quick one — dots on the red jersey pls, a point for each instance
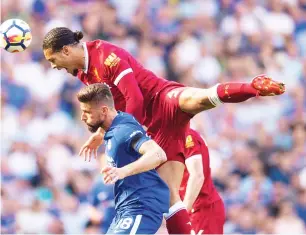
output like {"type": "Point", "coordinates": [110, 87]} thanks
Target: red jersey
{"type": "Point", "coordinates": [133, 87]}
{"type": "Point", "coordinates": [195, 145]}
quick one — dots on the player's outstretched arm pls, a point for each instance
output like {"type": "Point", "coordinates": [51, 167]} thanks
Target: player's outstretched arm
{"type": "Point", "coordinates": [152, 156]}
{"type": "Point", "coordinates": [195, 181]}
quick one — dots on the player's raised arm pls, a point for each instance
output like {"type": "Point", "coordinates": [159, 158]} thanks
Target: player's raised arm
{"type": "Point", "coordinates": [122, 75]}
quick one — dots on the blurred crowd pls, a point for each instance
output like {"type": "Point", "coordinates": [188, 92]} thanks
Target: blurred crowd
{"type": "Point", "coordinates": [257, 148]}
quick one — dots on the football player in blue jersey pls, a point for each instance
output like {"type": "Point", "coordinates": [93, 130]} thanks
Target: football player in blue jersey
{"type": "Point", "coordinates": [141, 196]}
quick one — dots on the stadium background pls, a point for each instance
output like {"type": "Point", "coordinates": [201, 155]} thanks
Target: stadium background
{"type": "Point", "coordinates": [258, 148]}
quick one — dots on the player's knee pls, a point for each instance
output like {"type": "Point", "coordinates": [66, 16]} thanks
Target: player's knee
{"type": "Point", "coordinates": [193, 100]}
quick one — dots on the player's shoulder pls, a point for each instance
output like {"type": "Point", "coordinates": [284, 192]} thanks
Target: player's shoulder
{"type": "Point", "coordinates": [124, 125]}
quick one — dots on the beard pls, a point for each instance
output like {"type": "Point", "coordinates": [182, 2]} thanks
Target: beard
{"type": "Point", "coordinates": [75, 72]}
{"type": "Point", "coordinates": [94, 127]}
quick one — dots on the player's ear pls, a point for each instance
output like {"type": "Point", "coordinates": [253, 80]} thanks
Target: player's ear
{"type": "Point", "coordinates": [66, 50]}
{"type": "Point", "coordinates": [104, 109]}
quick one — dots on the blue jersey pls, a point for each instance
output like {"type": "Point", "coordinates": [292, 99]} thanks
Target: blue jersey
{"type": "Point", "coordinates": [144, 190]}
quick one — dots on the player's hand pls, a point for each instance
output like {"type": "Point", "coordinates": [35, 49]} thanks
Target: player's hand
{"type": "Point", "coordinates": [92, 144]}
{"type": "Point", "coordinates": [112, 174]}
{"type": "Point", "coordinates": [188, 206]}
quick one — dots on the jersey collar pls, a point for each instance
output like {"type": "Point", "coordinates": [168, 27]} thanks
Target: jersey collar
{"type": "Point", "coordinates": [86, 57]}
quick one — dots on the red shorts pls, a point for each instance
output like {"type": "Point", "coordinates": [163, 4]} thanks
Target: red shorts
{"type": "Point", "coordinates": [169, 123]}
{"type": "Point", "coordinates": [210, 218]}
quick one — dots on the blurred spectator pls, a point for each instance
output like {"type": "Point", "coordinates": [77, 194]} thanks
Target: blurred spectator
{"type": "Point", "coordinates": [287, 216]}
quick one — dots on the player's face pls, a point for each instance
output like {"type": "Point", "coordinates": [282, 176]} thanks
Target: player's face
{"type": "Point", "coordinates": [93, 116]}
{"type": "Point", "coordinates": [62, 60]}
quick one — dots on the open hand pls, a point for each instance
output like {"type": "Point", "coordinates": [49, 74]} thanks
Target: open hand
{"type": "Point", "coordinates": [112, 174]}
{"type": "Point", "coordinates": [91, 145]}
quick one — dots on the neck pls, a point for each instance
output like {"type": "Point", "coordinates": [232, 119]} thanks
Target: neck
{"type": "Point", "coordinates": [81, 55]}
{"type": "Point", "coordinates": [110, 118]}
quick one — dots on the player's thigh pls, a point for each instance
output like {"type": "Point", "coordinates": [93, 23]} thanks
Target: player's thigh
{"type": "Point", "coordinates": [172, 173]}
{"type": "Point", "coordinates": [136, 224]}
{"type": "Point", "coordinates": [199, 222]}
{"type": "Point", "coordinates": [173, 117]}
{"type": "Point", "coordinates": [210, 219]}
{"type": "Point", "coordinates": [194, 100]}
{"type": "Point", "coordinates": [216, 223]}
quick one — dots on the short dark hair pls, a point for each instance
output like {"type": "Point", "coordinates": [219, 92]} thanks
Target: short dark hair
{"type": "Point", "coordinates": [59, 37]}
{"type": "Point", "coordinates": [98, 92]}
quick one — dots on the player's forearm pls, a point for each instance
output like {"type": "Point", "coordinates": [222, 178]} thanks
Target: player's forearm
{"type": "Point", "coordinates": [135, 107]}
{"type": "Point", "coordinates": [148, 161]}
{"type": "Point", "coordinates": [102, 161]}
{"type": "Point", "coordinates": [194, 185]}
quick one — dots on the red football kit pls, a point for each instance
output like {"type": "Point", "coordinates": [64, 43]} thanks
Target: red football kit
{"type": "Point", "coordinates": [208, 212]}
{"type": "Point", "coordinates": [152, 100]}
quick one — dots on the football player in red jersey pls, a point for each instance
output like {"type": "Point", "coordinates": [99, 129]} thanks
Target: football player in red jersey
{"type": "Point", "coordinates": [164, 107]}
{"type": "Point", "coordinates": [203, 202]}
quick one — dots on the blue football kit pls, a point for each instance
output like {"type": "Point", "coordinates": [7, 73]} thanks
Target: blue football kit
{"type": "Point", "coordinates": [141, 199]}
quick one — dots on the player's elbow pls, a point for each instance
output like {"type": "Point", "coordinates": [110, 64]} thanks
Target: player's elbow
{"type": "Point", "coordinates": [197, 177]}
{"type": "Point", "coordinates": [161, 156]}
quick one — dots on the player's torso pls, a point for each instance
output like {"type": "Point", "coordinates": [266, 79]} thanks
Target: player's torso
{"type": "Point", "coordinates": [104, 57]}
{"type": "Point", "coordinates": [195, 145]}
{"type": "Point", "coordinates": [133, 189]}
{"type": "Point", "coordinates": [95, 74]}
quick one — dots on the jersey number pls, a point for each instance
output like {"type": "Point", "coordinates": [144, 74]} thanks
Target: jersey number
{"type": "Point", "coordinates": [124, 223]}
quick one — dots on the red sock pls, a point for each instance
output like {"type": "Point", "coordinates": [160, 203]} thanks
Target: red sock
{"type": "Point", "coordinates": [233, 92]}
{"type": "Point", "coordinates": [177, 220]}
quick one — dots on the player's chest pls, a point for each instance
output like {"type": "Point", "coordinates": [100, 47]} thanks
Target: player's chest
{"type": "Point", "coordinates": [111, 152]}
{"type": "Point", "coordinates": [95, 75]}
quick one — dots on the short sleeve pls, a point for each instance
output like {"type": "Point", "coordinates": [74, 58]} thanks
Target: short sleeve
{"type": "Point", "coordinates": [137, 139]}
{"type": "Point", "coordinates": [133, 137]}
{"type": "Point", "coordinates": [192, 147]}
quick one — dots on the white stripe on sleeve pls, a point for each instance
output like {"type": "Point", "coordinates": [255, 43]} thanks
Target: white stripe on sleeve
{"type": "Point", "coordinates": [121, 75]}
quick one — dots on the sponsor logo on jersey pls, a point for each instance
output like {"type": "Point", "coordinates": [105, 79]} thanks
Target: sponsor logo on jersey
{"type": "Point", "coordinates": [189, 142]}
{"type": "Point", "coordinates": [112, 60]}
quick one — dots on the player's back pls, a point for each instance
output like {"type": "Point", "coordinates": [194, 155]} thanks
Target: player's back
{"type": "Point", "coordinates": [109, 64]}
{"type": "Point", "coordinates": [144, 190]}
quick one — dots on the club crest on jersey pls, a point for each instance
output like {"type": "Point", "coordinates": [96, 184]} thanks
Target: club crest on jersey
{"type": "Point", "coordinates": [112, 60]}
{"type": "Point", "coordinates": [110, 161]}
{"type": "Point", "coordinates": [189, 142]}
{"type": "Point", "coordinates": [109, 145]}
{"type": "Point", "coordinates": [95, 71]}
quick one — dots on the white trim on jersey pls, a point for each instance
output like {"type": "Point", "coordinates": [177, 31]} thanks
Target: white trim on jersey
{"type": "Point", "coordinates": [121, 75]}
{"type": "Point", "coordinates": [136, 225]}
{"type": "Point", "coordinates": [86, 57]}
{"type": "Point", "coordinates": [197, 156]}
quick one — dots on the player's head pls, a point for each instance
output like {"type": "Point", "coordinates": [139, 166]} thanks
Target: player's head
{"type": "Point", "coordinates": [60, 48]}
{"type": "Point", "coordinates": [96, 103]}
